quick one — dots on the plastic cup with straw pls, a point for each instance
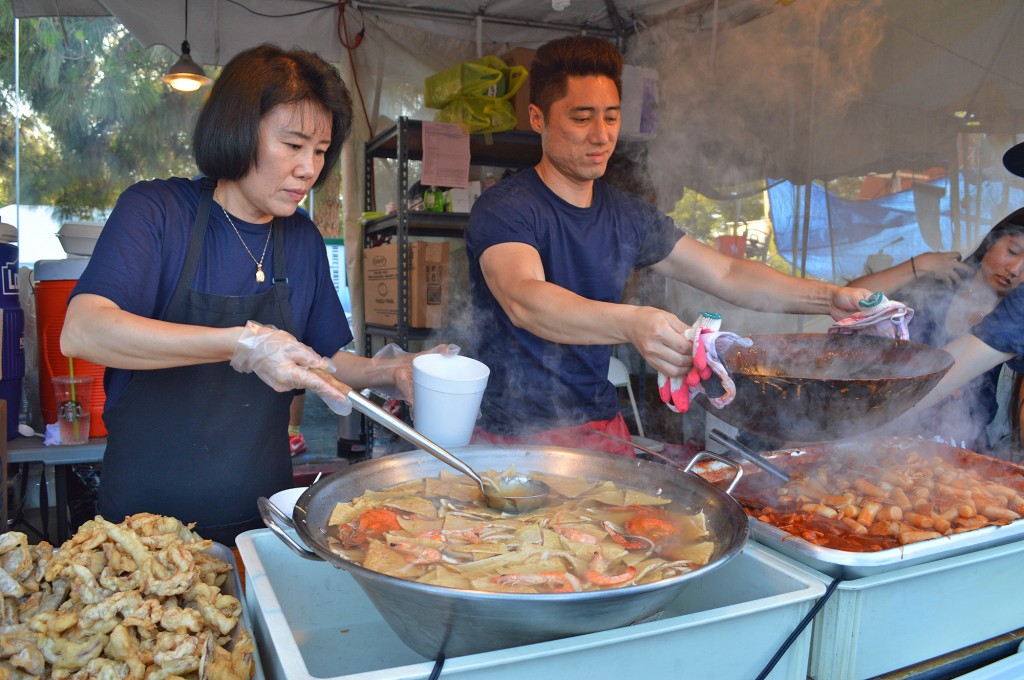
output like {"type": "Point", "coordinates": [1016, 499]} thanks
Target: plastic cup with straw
{"type": "Point", "coordinates": [74, 400]}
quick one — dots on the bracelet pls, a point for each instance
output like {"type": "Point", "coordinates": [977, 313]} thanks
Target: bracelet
{"type": "Point", "coordinates": [912, 266]}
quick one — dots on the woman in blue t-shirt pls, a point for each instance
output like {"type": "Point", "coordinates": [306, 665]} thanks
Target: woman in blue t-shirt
{"type": "Point", "coordinates": [997, 338]}
{"type": "Point", "coordinates": [210, 299]}
{"type": "Point", "coordinates": [949, 299]}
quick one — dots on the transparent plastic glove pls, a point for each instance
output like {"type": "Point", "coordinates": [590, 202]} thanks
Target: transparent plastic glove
{"type": "Point", "coordinates": [331, 395]}
{"type": "Point", "coordinates": [390, 372]}
{"type": "Point", "coordinates": [277, 358]}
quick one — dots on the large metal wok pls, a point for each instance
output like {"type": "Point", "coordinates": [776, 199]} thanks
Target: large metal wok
{"type": "Point", "coordinates": [433, 619]}
{"type": "Point", "coordinates": [824, 387]}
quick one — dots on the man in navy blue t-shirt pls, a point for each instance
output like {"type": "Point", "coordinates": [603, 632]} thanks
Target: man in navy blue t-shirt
{"type": "Point", "coordinates": [549, 252]}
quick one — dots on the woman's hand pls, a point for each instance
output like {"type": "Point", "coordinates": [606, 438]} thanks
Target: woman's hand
{"type": "Point", "coordinates": [276, 357]}
{"type": "Point", "coordinates": [942, 266]}
{"type": "Point", "coordinates": [389, 372]}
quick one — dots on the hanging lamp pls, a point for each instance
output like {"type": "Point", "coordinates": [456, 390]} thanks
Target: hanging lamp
{"type": "Point", "coordinates": [186, 75]}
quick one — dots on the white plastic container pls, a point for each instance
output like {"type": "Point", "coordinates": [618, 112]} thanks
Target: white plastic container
{"type": "Point", "coordinates": [313, 621]}
{"type": "Point", "coordinates": [898, 618]}
{"type": "Point", "coordinates": [447, 392]}
{"type": "Point", "coordinates": [79, 238]}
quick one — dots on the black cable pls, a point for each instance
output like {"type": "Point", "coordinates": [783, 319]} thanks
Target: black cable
{"type": "Point", "coordinates": [800, 628]}
{"type": "Point", "coordinates": [438, 665]}
{"type": "Point", "coordinates": [281, 16]}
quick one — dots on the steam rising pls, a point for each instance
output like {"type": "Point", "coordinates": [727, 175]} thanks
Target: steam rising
{"type": "Point", "coordinates": [752, 103]}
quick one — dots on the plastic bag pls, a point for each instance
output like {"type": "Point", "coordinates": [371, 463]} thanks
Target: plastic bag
{"type": "Point", "coordinates": [476, 94]}
{"type": "Point", "coordinates": [486, 76]}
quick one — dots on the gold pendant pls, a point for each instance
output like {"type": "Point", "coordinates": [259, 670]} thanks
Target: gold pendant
{"type": "Point", "coordinates": [260, 278]}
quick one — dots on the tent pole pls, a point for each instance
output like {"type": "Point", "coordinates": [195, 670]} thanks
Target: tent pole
{"type": "Point", "coordinates": [811, 113]}
{"type": "Point", "coordinates": [954, 195]}
{"type": "Point", "coordinates": [806, 230]}
{"type": "Point", "coordinates": [831, 237]}
{"type": "Point", "coordinates": [796, 224]}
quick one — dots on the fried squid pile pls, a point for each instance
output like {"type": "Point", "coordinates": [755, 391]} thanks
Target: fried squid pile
{"type": "Point", "coordinates": [140, 599]}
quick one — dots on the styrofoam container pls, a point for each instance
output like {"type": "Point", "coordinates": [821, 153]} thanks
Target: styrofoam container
{"type": "Point", "coordinates": [79, 238]}
{"type": "Point", "coordinates": [313, 621]}
{"type": "Point", "coordinates": [898, 618]}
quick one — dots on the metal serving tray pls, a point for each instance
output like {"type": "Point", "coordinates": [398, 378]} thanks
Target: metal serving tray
{"type": "Point", "coordinates": [312, 621]}
{"type": "Point", "coordinates": [849, 564]}
{"type": "Point", "coordinates": [233, 587]}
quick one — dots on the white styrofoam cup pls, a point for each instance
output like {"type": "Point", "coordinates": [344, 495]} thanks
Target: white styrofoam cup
{"type": "Point", "coordinates": [447, 392]}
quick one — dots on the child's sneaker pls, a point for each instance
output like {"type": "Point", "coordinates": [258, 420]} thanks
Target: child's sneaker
{"type": "Point", "coordinates": [297, 443]}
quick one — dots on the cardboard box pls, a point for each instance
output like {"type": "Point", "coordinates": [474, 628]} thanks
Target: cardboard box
{"type": "Point", "coordinates": [521, 56]}
{"type": "Point", "coordinates": [428, 284]}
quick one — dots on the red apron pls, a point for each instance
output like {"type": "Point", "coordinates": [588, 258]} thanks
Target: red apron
{"type": "Point", "coordinates": [576, 437]}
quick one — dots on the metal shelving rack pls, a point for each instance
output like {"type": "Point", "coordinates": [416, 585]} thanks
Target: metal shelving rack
{"type": "Point", "coordinates": [403, 142]}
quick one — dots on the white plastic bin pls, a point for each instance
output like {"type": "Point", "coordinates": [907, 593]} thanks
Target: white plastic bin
{"type": "Point", "coordinates": [313, 621]}
{"type": "Point", "coordinates": [877, 624]}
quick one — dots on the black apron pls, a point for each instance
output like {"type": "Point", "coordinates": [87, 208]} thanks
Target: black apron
{"type": "Point", "coordinates": [202, 443]}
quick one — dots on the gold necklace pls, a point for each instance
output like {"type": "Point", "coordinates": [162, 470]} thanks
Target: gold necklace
{"type": "Point", "coordinates": [260, 277]}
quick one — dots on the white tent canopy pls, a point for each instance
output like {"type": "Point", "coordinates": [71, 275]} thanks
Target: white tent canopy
{"type": "Point", "coordinates": [799, 88]}
{"type": "Point", "coordinates": [796, 89]}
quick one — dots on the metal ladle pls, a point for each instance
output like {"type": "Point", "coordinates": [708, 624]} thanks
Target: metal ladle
{"type": "Point", "coordinates": [512, 494]}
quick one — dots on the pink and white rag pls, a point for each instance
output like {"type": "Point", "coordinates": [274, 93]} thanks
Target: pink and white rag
{"type": "Point", "coordinates": [677, 393]}
{"type": "Point", "coordinates": [879, 316]}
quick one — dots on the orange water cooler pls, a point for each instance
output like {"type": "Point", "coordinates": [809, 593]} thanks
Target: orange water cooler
{"type": "Point", "coordinates": [54, 280]}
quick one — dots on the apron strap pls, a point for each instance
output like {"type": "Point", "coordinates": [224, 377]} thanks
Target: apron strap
{"type": "Point", "coordinates": [195, 248]}
{"type": "Point", "coordinates": [281, 278]}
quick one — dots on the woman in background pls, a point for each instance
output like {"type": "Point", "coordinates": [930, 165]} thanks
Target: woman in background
{"type": "Point", "coordinates": [949, 298]}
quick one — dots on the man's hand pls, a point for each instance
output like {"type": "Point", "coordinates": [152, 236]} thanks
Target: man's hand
{"type": "Point", "coordinates": [846, 301]}
{"type": "Point", "coordinates": [658, 336]}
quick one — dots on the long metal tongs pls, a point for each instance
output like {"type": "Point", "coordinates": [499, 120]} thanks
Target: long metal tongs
{"type": "Point", "coordinates": [755, 458]}
{"type": "Point", "coordinates": [508, 494]}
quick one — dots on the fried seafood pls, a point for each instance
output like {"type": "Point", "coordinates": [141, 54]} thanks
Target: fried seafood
{"type": "Point", "coordinates": [589, 536]}
{"type": "Point", "coordinates": [136, 600]}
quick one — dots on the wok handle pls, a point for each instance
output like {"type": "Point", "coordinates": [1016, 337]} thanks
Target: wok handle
{"type": "Point", "coordinates": [271, 515]}
{"type": "Point", "coordinates": [720, 459]}
{"type": "Point", "coordinates": [754, 458]}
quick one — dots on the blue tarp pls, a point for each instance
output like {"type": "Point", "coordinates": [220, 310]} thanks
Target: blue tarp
{"type": "Point", "coordinates": [860, 229]}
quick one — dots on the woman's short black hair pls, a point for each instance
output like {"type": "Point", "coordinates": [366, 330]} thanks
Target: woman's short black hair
{"type": "Point", "coordinates": [577, 55]}
{"type": "Point", "coordinates": [226, 139]}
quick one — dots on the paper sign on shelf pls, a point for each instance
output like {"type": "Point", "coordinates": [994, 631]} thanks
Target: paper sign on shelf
{"type": "Point", "coordinates": [445, 155]}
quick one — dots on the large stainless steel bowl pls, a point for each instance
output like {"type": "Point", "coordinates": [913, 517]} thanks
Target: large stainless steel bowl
{"type": "Point", "coordinates": [808, 387]}
{"type": "Point", "coordinates": [432, 619]}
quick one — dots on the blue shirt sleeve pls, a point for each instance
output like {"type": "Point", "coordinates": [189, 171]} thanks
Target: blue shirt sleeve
{"type": "Point", "coordinates": [1003, 329]}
